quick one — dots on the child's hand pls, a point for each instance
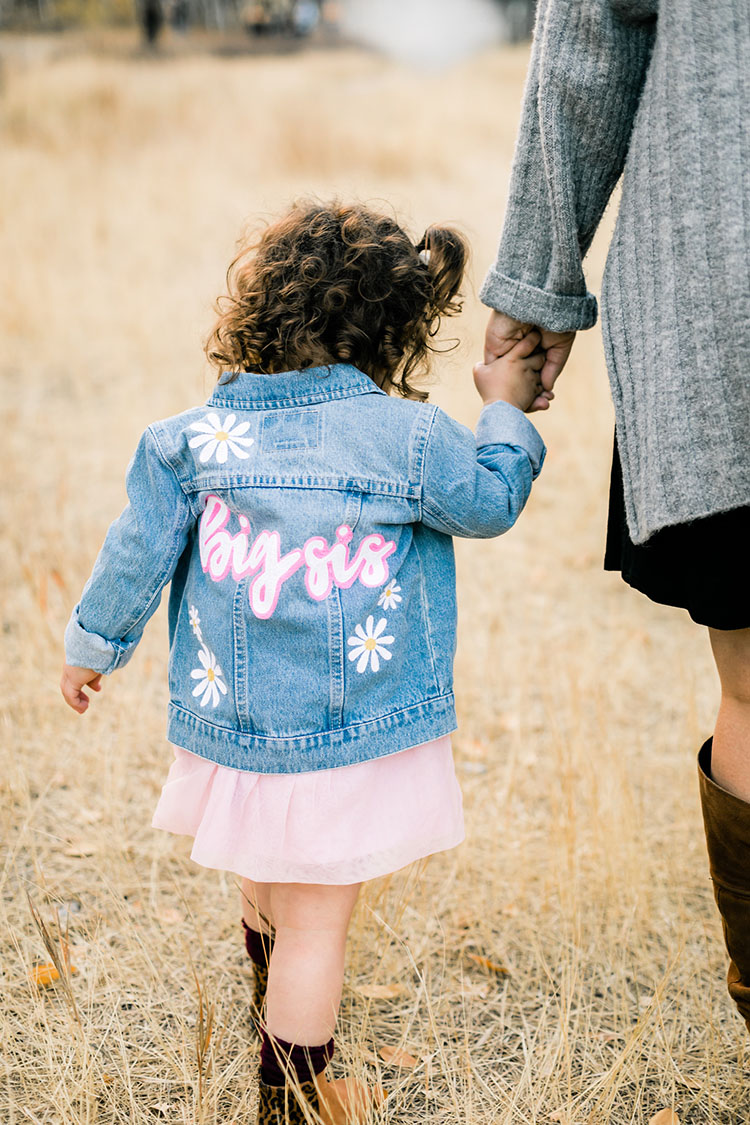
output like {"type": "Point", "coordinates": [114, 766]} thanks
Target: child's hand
{"type": "Point", "coordinates": [73, 679]}
{"type": "Point", "coordinates": [514, 377]}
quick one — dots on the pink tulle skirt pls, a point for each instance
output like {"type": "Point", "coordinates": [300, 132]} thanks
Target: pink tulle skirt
{"type": "Point", "coordinates": [337, 826]}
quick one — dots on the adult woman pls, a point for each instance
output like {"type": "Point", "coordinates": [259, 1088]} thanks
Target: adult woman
{"type": "Point", "coordinates": [656, 89]}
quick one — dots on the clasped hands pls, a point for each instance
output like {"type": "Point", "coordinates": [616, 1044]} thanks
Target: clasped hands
{"type": "Point", "coordinates": [521, 363]}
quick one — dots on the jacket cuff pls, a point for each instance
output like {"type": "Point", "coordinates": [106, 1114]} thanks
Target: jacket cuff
{"type": "Point", "coordinates": [503, 424]}
{"type": "Point", "coordinates": [89, 650]}
{"type": "Point", "coordinates": [526, 303]}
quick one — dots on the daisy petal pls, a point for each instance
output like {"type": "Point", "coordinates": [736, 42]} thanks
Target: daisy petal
{"type": "Point", "coordinates": [374, 662]}
{"type": "Point", "coordinates": [221, 686]}
{"type": "Point", "coordinates": [386, 640]}
{"type": "Point", "coordinates": [200, 687]}
{"type": "Point", "coordinates": [222, 453]}
{"type": "Point", "coordinates": [208, 451]}
{"type": "Point", "coordinates": [363, 660]}
{"type": "Point", "coordinates": [203, 428]}
{"type": "Point", "coordinates": [360, 632]}
{"type": "Point", "coordinates": [198, 674]}
{"type": "Point", "coordinates": [368, 625]}
{"type": "Point", "coordinates": [238, 431]}
{"type": "Point", "coordinates": [379, 627]}
{"type": "Point", "coordinates": [382, 652]}
{"type": "Point", "coordinates": [214, 420]}
{"type": "Point", "coordinates": [229, 422]}
{"type": "Point", "coordinates": [357, 652]}
{"type": "Point", "coordinates": [236, 450]}
{"type": "Point", "coordinates": [201, 439]}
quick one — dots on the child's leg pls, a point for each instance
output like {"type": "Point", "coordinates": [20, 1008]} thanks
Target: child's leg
{"type": "Point", "coordinates": [258, 926]}
{"type": "Point", "coordinates": [304, 992]}
{"type": "Point", "coordinates": [307, 966]}
{"type": "Point", "coordinates": [256, 906]}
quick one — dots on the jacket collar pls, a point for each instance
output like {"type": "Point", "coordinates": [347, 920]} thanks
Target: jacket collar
{"type": "Point", "coordinates": [291, 388]}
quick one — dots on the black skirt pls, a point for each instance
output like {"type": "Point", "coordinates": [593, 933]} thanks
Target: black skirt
{"type": "Point", "coordinates": [700, 566]}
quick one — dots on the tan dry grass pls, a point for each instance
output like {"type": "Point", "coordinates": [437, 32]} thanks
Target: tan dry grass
{"type": "Point", "coordinates": [124, 183]}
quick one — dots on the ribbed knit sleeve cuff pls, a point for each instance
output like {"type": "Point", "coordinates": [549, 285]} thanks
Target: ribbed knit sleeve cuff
{"type": "Point", "coordinates": [89, 650]}
{"type": "Point", "coordinates": [525, 302]}
{"type": "Point", "coordinates": [500, 423]}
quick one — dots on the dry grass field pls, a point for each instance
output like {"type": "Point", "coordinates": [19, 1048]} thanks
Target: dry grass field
{"type": "Point", "coordinates": [565, 965]}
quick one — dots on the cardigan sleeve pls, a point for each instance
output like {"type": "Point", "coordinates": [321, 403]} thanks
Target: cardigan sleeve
{"type": "Point", "coordinates": [588, 65]}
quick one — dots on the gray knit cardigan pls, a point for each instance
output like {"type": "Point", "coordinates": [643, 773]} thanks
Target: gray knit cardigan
{"type": "Point", "coordinates": [660, 90]}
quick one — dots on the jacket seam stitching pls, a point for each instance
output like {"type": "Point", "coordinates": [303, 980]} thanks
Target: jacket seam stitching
{"type": "Point", "coordinates": [448, 695]}
{"type": "Point", "coordinates": [284, 403]}
{"type": "Point", "coordinates": [423, 458]}
{"type": "Point", "coordinates": [375, 488]}
{"type": "Point", "coordinates": [168, 465]}
{"type": "Point", "coordinates": [460, 529]}
{"type": "Point", "coordinates": [424, 599]}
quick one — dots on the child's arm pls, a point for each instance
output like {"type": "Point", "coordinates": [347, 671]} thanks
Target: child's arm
{"type": "Point", "coordinates": [477, 486]}
{"type": "Point", "coordinates": [136, 562]}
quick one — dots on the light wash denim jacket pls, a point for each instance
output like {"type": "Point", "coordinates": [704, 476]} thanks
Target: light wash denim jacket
{"type": "Point", "coordinates": [305, 521]}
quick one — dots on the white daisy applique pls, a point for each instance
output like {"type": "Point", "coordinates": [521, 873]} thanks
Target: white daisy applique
{"type": "Point", "coordinates": [390, 597]}
{"type": "Point", "coordinates": [210, 686]}
{"type": "Point", "coordinates": [209, 677]}
{"type": "Point", "coordinates": [368, 645]}
{"type": "Point", "coordinates": [220, 438]}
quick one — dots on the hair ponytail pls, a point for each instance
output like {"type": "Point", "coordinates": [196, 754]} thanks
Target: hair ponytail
{"type": "Point", "coordinates": [443, 252]}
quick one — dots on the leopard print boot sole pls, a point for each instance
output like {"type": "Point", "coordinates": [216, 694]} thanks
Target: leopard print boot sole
{"type": "Point", "coordinates": [283, 1105]}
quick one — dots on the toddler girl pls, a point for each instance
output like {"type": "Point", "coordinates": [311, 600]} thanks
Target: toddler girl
{"type": "Point", "coordinates": [304, 518]}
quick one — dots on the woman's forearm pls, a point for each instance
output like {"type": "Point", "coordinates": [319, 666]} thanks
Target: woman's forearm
{"type": "Point", "coordinates": [587, 70]}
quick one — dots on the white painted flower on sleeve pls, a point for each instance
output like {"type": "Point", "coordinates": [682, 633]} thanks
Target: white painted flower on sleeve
{"type": "Point", "coordinates": [390, 597]}
{"type": "Point", "coordinates": [209, 678]}
{"type": "Point", "coordinates": [368, 645]}
{"type": "Point", "coordinates": [219, 437]}
{"type": "Point", "coordinates": [194, 618]}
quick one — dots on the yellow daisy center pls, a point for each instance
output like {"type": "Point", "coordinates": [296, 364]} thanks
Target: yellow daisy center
{"type": "Point", "coordinates": [221, 435]}
{"type": "Point", "coordinates": [210, 675]}
{"type": "Point", "coordinates": [370, 643]}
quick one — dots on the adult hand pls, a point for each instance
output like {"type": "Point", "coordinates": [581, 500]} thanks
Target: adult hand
{"type": "Point", "coordinates": [504, 331]}
{"type": "Point", "coordinates": [556, 346]}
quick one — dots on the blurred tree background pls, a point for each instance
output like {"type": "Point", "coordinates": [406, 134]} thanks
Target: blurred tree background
{"type": "Point", "coordinates": [300, 19]}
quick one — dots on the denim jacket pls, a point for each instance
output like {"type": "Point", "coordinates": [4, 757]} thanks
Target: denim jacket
{"type": "Point", "coordinates": [304, 520]}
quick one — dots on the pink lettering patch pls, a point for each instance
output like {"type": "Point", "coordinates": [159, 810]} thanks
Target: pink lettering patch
{"type": "Point", "coordinates": [325, 565]}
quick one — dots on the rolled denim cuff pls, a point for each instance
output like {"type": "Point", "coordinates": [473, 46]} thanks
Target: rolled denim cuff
{"type": "Point", "coordinates": [556, 312]}
{"type": "Point", "coordinates": [500, 423]}
{"type": "Point", "coordinates": [90, 650]}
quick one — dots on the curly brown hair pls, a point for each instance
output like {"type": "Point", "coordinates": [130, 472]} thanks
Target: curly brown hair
{"type": "Point", "coordinates": [334, 283]}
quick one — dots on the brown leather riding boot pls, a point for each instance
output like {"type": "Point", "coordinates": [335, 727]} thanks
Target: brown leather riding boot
{"type": "Point", "coordinates": [727, 821]}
